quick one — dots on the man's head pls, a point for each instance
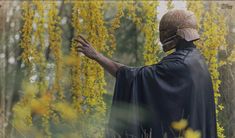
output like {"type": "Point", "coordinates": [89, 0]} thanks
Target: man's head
{"type": "Point", "coordinates": [175, 25]}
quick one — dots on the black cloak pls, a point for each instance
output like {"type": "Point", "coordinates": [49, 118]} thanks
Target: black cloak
{"type": "Point", "coordinates": [148, 99]}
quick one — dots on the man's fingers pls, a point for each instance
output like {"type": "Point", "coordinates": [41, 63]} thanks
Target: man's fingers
{"type": "Point", "coordinates": [83, 39]}
{"type": "Point", "coordinates": [77, 39]}
{"type": "Point", "coordinates": [79, 46]}
{"type": "Point", "coordinates": [80, 50]}
{"type": "Point", "coordinates": [81, 42]}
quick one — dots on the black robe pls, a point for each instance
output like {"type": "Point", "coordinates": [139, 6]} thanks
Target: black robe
{"type": "Point", "coordinates": [148, 99]}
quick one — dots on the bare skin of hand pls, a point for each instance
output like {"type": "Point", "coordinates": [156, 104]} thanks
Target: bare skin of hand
{"type": "Point", "coordinates": [88, 50]}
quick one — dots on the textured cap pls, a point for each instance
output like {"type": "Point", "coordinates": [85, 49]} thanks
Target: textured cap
{"type": "Point", "coordinates": [180, 23]}
{"type": "Point", "coordinates": [189, 34]}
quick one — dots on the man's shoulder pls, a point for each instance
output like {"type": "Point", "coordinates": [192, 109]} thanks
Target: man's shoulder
{"type": "Point", "coordinates": [179, 55]}
{"type": "Point", "coordinates": [176, 61]}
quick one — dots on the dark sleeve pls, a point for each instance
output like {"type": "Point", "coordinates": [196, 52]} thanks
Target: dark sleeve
{"type": "Point", "coordinates": [144, 93]}
{"type": "Point", "coordinates": [124, 81]}
{"type": "Point", "coordinates": [129, 80]}
{"type": "Point", "coordinates": [128, 72]}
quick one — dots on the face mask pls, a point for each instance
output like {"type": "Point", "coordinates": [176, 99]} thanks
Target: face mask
{"type": "Point", "coordinates": [170, 43]}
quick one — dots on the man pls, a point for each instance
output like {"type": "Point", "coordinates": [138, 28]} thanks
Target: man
{"type": "Point", "coordinates": [148, 99]}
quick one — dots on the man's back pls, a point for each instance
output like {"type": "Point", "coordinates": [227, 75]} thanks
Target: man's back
{"type": "Point", "coordinates": [179, 87]}
{"type": "Point", "coordinates": [202, 114]}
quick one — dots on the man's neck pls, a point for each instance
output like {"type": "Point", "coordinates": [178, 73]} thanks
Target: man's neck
{"type": "Point", "coordinates": [182, 44]}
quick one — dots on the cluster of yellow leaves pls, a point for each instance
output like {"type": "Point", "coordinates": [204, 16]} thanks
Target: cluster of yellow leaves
{"type": "Point", "coordinates": [26, 31]}
{"type": "Point", "coordinates": [132, 7]}
{"type": "Point", "coordinates": [74, 60]}
{"type": "Point", "coordinates": [28, 105]}
{"type": "Point", "coordinates": [22, 117]}
{"type": "Point", "coordinates": [181, 126]}
{"type": "Point", "coordinates": [55, 42]}
{"type": "Point", "coordinates": [67, 112]}
{"type": "Point", "coordinates": [22, 111]}
{"type": "Point", "coordinates": [41, 105]}
{"type": "Point", "coordinates": [231, 58]}
{"type": "Point", "coordinates": [91, 74]}
{"type": "Point", "coordinates": [115, 24]}
{"type": "Point", "coordinates": [36, 98]}
{"type": "Point", "coordinates": [38, 107]}
{"type": "Point", "coordinates": [87, 76]}
{"type": "Point", "coordinates": [38, 42]}
{"type": "Point", "coordinates": [197, 8]}
{"type": "Point", "coordinates": [147, 23]}
{"type": "Point", "coordinates": [29, 89]}
{"type": "Point", "coordinates": [190, 133]}
{"type": "Point", "coordinates": [170, 4]}
{"type": "Point", "coordinates": [150, 30]}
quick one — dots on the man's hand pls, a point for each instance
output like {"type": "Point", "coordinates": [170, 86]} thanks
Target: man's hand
{"type": "Point", "coordinates": [86, 48]}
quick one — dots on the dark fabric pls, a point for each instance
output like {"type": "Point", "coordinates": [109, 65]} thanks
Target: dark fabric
{"type": "Point", "coordinates": [148, 99]}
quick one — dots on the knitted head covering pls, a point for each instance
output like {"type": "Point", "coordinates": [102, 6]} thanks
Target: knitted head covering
{"type": "Point", "coordinates": [175, 25]}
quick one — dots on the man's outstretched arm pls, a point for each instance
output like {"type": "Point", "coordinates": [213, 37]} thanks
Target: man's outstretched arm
{"type": "Point", "coordinates": [87, 49]}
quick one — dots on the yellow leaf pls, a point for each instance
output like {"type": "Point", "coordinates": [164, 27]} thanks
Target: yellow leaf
{"type": "Point", "coordinates": [179, 125]}
{"type": "Point", "coordinates": [190, 133]}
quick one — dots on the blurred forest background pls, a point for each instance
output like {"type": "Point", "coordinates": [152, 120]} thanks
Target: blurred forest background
{"type": "Point", "coordinates": [48, 90]}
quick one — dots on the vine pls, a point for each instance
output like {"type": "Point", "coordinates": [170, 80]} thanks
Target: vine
{"type": "Point", "coordinates": [28, 52]}
{"type": "Point", "coordinates": [150, 29]}
{"type": "Point", "coordinates": [55, 41]}
{"type": "Point", "coordinates": [88, 81]}
{"type": "Point", "coordinates": [170, 4]}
